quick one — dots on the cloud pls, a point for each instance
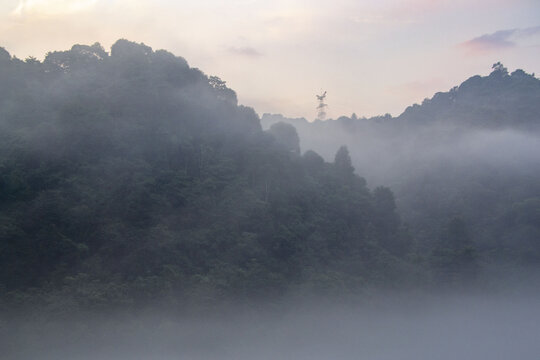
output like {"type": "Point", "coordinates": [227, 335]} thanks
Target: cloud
{"type": "Point", "coordinates": [51, 7]}
{"type": "Point", "coordinates": [499, 40]}
{"type": "Point", "coordinates": [246, 51]}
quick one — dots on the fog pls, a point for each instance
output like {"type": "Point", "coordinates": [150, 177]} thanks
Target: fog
{"type": "Point", "coordinates": [395, 326]}
{"type": "Point", "coordinates": [144, 214]}
{"type": "Point", "coordinates": [442, 166]}
{"type": "Point", "coordinates": [384, 153]}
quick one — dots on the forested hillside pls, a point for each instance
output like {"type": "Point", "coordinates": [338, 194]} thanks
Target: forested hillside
{"type": "Point", "coordinates": [465, 159]}
{"type": "Point", "coordinates": [497, 101]}
{"type": "Point", "coordinates": [130, 178]}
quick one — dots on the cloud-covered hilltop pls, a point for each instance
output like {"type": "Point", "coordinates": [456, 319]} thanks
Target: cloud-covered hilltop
{"type": "Point", "coordinates": [131, 178]}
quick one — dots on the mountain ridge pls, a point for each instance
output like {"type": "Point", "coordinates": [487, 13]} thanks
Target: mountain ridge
{"type": "Point", "coordinates": [485, 96]}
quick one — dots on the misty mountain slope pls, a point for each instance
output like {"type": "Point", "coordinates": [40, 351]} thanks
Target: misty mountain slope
{"type": "Point", "coordinates": [132, 178]}
{"type": "Point", "coordinates": [471, 153]}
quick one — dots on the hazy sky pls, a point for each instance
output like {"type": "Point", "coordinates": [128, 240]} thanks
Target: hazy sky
{"type": "Point", "coordinates": [372, 56]}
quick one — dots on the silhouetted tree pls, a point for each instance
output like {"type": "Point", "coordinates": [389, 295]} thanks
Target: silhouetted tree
{"type": "Point", "coordinates": [342, 162]}
{"type": "Point", "coordinates": [499, 69]}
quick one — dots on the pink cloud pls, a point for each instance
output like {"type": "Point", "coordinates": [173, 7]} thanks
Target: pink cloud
{"type": "Point", "coordinates": [499, 40]}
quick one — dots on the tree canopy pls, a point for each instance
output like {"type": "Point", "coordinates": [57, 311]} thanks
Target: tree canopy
{"type": "Point", "coordinates": [129, 177]}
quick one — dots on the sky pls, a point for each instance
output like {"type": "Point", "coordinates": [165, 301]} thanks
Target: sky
{"type": "Point", "coordinates": [371, 56]}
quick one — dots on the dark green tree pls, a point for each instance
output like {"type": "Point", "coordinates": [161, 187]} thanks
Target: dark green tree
{"type": "Point", "coordinates": [343, 163]}
{"type": "Point", "coordinates": [286, 135]}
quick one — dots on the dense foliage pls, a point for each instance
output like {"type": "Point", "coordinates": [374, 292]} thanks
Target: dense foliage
{"type": "Point", "coordinates": [130, 178]}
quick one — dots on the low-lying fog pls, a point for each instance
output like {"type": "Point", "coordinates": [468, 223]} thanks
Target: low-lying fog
{"type": "Point", "coordinates": [465, 327]}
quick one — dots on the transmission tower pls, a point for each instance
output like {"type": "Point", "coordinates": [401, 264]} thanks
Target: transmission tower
{"type": "Point", "coordinates": [321, 108]}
